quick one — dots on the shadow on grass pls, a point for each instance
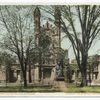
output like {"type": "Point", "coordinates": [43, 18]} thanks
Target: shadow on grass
{"type": "Point", "coordinates": [87, 89]}
{"type": "Point", "coordinates": [28, 89]}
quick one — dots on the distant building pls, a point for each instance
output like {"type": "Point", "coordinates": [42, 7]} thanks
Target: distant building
{"type": "Point", "coordinates": [93, 69]}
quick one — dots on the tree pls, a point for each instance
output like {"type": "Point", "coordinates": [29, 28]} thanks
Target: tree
{"type": "Point", "coordinates": [81, 24]}
{"type": "Point", "coordinates": [18, 27]}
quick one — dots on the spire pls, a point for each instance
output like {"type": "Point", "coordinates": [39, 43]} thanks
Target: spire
{"type": "Point", "coordinates": [37, 25]}
{"type": "Point", "coordinates": [37, 16]}
{"type": "Point", "coordinates": [57, 15]}
{"type": "Point", "coordinates": [37, 12]}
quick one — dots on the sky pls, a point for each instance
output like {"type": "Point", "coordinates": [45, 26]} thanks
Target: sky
{"type": "Point", "coordinates": [95, 48]}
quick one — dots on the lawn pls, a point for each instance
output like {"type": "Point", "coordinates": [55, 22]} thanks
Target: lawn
{"type": "Point", "coordinates": [69, 89]}
{"type": "Point", "coordinates": [87, 89]}
{"type": "Point", "coordinates": [28, 89]}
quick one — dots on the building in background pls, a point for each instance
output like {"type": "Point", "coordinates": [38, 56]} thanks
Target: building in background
{"type": "Point", "coordinates": [48, 41]}
{"type": "Point", "coordinates": [49, 66]}
{"type": "Point", "coordinates": [93, 70]}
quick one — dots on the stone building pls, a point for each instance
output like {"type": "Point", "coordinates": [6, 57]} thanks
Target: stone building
{"type": "Point", "coordinates": [93, 70]}
{"type": "Point", "coordinates": [47, 40]}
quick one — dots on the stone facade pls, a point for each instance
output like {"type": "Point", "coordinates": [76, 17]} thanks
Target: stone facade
{"type": "Point", "coordinates": [93, 70]}
{"type": "Point", "coordinates": [2, 74]}
{"type": "Point", "coordinates": [51, 46]}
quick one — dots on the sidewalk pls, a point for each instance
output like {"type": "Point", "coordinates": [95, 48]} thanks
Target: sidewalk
{"type": "Point", "coordinates": [51, 95]}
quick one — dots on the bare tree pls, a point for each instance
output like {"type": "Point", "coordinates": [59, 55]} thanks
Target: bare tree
{"type": "Point", "coordinates": [18, 25]}
{"type": "Point", "coordinates": [81, 24]}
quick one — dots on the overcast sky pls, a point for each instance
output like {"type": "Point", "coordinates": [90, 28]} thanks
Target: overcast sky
{"type": "Point", "coordinates": [93, 50]}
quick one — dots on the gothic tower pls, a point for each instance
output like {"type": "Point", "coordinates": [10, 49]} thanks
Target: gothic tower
{"type": "Point", "coordinates": [48, 37]}
{"type": "Point", "coordinates": [57, 16]}
{"type": "Point", "coordinates": [37, 16]}
{"type": "Point", "coordinates": [57, 37]}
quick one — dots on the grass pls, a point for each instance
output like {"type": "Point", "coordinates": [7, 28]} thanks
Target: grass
{"type": "Point", "coordinates": [87, 89]}
{"type": "Point", "coordinates": [28, 89]}
{"type": "Point", "coordinates": [69, 89]}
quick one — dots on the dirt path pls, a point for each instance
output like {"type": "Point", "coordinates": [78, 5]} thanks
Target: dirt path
{"type": "Point", "coordinates": [60, 85]}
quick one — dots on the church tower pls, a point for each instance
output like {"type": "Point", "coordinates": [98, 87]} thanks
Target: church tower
{"type": "Point", "coordinates": [57, 23]}
{"type": "Point", "coordinates": [37, 16]}
{"type": "Point", "coordinates": [57, 36]}
{"type": "Point", "coordinates": [47, 36]}
{"type": "Point", "coordinates": [37, 30]}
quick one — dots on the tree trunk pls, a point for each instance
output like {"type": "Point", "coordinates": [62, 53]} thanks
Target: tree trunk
{"type": "Point", "coordinates": [24, 78]}
{"type": "Point", "coordinates": [40, 73]}
{"type": "Point", "coordinates": [30, 78]}
{"type": "Point", "coordinates": [84, 79]}
{"type": "Point", "coordinates": [84, 71]}
{"type": "Point", "coordinates": [24, 74]}
{"type": "Point", "coordinates": [40, 65]}
{"type": "Point", "coordinates": [90, 75]}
